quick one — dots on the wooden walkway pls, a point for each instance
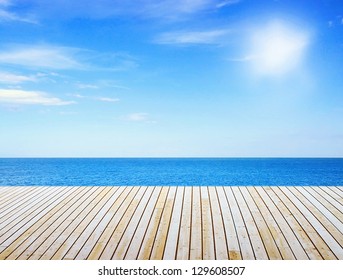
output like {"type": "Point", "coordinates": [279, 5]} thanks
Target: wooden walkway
{"type": "Point", "coordinates": [171, 223]}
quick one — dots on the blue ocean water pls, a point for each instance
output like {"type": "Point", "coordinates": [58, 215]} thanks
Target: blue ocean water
{"type": "Point", "coordinates": [170, 171]}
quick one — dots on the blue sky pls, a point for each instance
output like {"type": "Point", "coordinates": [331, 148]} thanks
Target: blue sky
{"type": "Point", "coordinates": [171, 78]}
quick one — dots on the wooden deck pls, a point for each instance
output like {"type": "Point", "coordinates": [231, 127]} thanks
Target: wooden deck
{"type": "Point", "coordinates": [171, 223]}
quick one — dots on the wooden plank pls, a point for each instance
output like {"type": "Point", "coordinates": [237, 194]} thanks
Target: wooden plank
{"type": "Point", "coordinates": [255, 238]}
{"type": "Point", "coordinates": [4, 189]}
{"type": "Point", "coordinates": [171, 223]}
{"type": "Point", "coordinates": [324, 206]}
{"type": "Point", "coordinates": [111, 221]}
{"type": "Point", "coordinates": [17, 209]}
{"type": "Point", "coordinates": [267, 237]}
{"type": "Point", "coordinates": [86, 240]}
{"type": "Point", "coordinates": [45, 232]}
{"type": "Point", "coordinates": [330, 191]}
{"type": "Point", "coordinates": [327, 229]}
{"type": "Point", "coordinates": [137, 239]}
{"type": "Point", "coordinates": [306, 226]}
{"type": "Point", "coordinates": [110, 224]}
{"type": "Point", "coordinates": [340, 188]}
{"type": "Point", "coordinates": [16, 201]}
{"type": "Point", "coordinates": [221, 250]}
{"type": "Point", "coordinates": [279, 226]}
{"type": "Point", "coordinates": [16, 227]}
{"type": "Point", "coordinates": [149, 199]}
{"type": "Point", "coordinates": [50, 234]}
{"type": "Point", "coordinates": [49, 247]}
{"type": "Point", "coordinates": [268, 226]}
{"type": "Point", "coordinates": [299, 226]}
{"type": "Point", "coordinates": [196, 251]}
{"type": "Point", "coordinates": [119, 223]}
{"type": "Point", "coordinates": [163, 228]}
{"type": "Point", "coordinates": [338, 191]}
{"type": "Point", "coordinates": [15, 195]}
{"type": "Point", "coordinates": [185, 226]}
{"type": "Point", "coordinates": [317, 191]}
{"type": "Point", "coordinates": [10, 192]}
{"type": "Point", "coordinates": [21, 244]}
{"type": "Point", "coordinates": [245, 245]}
{"type": "Point", "coordinates": [101, 202]}
{"type": "Point", "coordinates": [170, 251]}
{"type": "Point", "coordinates": [207, 227]}
{"type": "Point", "coordinates": [149, 238]}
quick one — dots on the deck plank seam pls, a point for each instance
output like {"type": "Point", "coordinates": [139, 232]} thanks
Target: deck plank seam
{"type": "Point", "coordinates": [244, 222]}
{"type": "Point", "coordinates": [159, 222]}
{"type": "Point", "coordinates": [139, 221]}
{"type": "Point", "coordinates": [327, 200]}
{"type": "Point", "coordinates": [267, 225]}
{"type": "Point", "coordinates": [79, 194]}
{"type": "Point", "coordinates": [86, 210]}
{"type": "Point", "coordinates": [311, 224]}
{"type": "Point", "coordinates": [297, 222]}
{"type": "Point", "coordinates": [276, 221]}
{"type": "Point", "coordinates": [179, 228]}
{"type": "Point", "coordinates": [294, 191]}
{"type": "Point", "coordinates": [254, 219]}
{"type": "Point", "coordinates": [129, 221]}
{"type": "Point", "coordinates": [146, 228]}
{"type": "Point", "coordinates": [31, 215]}
{"type": "Point", "coordinates": [96, 226]}
{"type": "Point", "coordinates": [21, 239]}
{"type": "Point", "coordinates": [84, 218]}
{"type": "Point", "coordinates": [326, 208]}
{"type": "Point", "coordinates": [85, 194]}
{"type": "Point", "coordinates": [222, 221]}
{"type": "Point", "coordinates": [170, 219]}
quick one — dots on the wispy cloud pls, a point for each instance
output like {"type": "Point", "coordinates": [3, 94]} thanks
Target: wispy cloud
{"type": "Point", "coordinates": [227, 3]}
{"type": "Point", "coordinates": [86, 86]}
{"type": "Point", "coordinates": [79, 96]}
{"type": "Point", "coordinates": [162, 9]}
{"type": "Point", "coordinates": [6, 15]}
{"type": "Point", "coordinates": [5, 2]}
{"type": "Point", "coordinates": [192, 37]}
{"type": "Point", "coordinates": [14, 96]}
{"type": "Point", "coordinates": [9, 78]}
{"type": "Point", "coordinates": [52, 57]}
{"type": "Point", "coordinates": [137, 117]}
{"type": "Point", "coordinates": [107, 99]}
{"type": "Point", "coordinates": [64, 58]}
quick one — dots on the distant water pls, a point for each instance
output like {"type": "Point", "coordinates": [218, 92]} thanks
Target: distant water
{"type": "Point", "coordinates": [170, 171]}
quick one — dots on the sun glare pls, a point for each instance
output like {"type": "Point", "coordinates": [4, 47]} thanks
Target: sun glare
{"type": "Point", "coordinates": [277, 48]}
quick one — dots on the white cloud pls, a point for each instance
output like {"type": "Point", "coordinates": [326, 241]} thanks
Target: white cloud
{"type": "Point", "coordinates": [6, 15]}
{"type": "Point", "coordinates": [9, 78]}
{"type": "Point", "coordinates": [5, 2]}
{"type": "Point", "coordinates": [86, 86]}
{"type": "Point", "coordinates": [137, 117]}
{"type": "Point", "coordinates": [227, 3]}
{"type": "Point", "coordinates": [65, 58]}
{"type": "Point", "coordinates": [162, 9]}
{"type": "Point", "coordinates": [107, 99]}
{"type": "Point", "coordinates": [14, 96]}
{"type": "Point", "coordinates": [189, 37]}
{"type": "Point", "coordinates": [79, 96]}
{"type": "Point", "coordinates": [53, 57]}
{"type": "Point", "coordinates": [277, 48]}
{"type": "Point", "coordinates": [185, 6]}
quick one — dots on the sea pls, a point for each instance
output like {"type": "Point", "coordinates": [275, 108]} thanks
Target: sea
{"type": "Point", "coordinates": [171, 171]}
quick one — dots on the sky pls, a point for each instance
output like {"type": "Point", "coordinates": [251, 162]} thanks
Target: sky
{"type": "Point", "coordinates": [171, 78]}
